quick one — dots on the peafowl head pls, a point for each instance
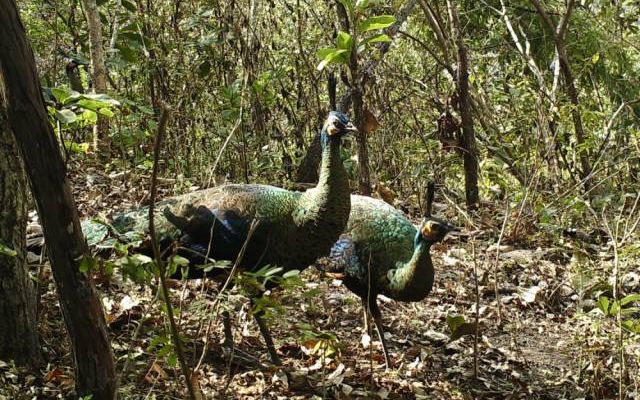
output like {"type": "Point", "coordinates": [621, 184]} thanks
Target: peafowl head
{"type": "Point", "coordinates": [337, 125]}
{"type": "Point", "coordinates": [432, 229]}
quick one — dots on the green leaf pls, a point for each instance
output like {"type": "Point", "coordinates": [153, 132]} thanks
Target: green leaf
{"type": "Point", "coordinates": [362, 5]}
{"type": "Point", "coordinates": [377, 22]}
{"type": "Point", "coordinates": [61, 93]}
{"type": "Point", "coordinates": [129, 6]}
{"type": "Point", "coordinates": [179, 261]}
{"type": "Point", "coordinates": [630, 298]}
{"type": "Point", "coordinates": [106, 112]}
{"type": "Point", "coordinates": [323, 53]}
{"type": "Point", "coordinates": [615, 307]}
{"type": "Point", "coordinates": [603, 304]}
{"type": "Point", "coordinates": [337, 56]}
{"type": "Point", "coordinates": [88, 264]}
{"type": "Point", "coordinates": [380, 38]}
{"type": "Point", "coordinates": [455, 322]}
{"type": "Point", "coordinates": [66, 116]}
{"type": "Point", "coordinates": [344, 41]}
{"type": "Point", "coordinates": [89, 116]}
{"type": "Point", "coordinates": [631, 325]}
{"type": "Point", "coordinates": [7, 251]}
{"type": "Point", "coordinates": [290, 274]}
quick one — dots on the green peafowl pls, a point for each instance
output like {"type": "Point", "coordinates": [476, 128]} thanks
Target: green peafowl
{"type": "Point", "coordinates": [381, 252]}
{"type": "Point", "coordinates": [293, 230]}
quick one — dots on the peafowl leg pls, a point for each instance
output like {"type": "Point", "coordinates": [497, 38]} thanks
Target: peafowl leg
{"type": "Point", "coordinates": [366, 316]}
{"type": "Point", "coordinates": [266, 335]}
{"type": "Point", "coordinates": [377, 319]}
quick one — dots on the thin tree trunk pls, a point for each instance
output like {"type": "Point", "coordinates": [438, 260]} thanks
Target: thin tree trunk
{"type": "Point", "coordinates": [558, 32]}
{"type": "Point", "coordinates": [355, 95]}
{"type": "Point", "coordinates": [81, 308]}
{"type": "Point", "coordinates": [99, 71]}
{"type": "Point", "coordinates": [19, 339]}
{"type": "Point", "coordinates": [470, 156]}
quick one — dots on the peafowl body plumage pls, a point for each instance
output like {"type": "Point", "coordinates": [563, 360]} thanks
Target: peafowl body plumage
{"type": "Point", "coordinates": [382, 252]}
{"type": "Point", "coordinates": [294, 228]}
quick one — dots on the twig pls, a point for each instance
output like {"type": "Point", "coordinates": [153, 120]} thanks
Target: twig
{"type": "Point", "coordinates": [477, 316]}
{"type": "Point", "coordinates": [495, 266]}
{"type": "Point", "coordinates": [162, 127]}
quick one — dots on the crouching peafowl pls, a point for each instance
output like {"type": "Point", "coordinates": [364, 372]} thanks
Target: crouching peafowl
{"type": "Point", "coordinates": [293, 228]}
{"type": "Point", "coordinates": [381, 252]}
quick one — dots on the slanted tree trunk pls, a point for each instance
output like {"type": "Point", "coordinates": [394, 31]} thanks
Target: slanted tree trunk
{"type": "Point", "coordinates": [98, 71]}
{"type": "Point", "coordinates": [28, 120]}
{"type": "Point", "coordinates": [19, 339]}
{"type": "Point", "coordinates": [470, 155]}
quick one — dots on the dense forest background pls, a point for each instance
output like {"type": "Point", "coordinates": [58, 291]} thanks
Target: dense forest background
{"type": "Point", "coordinates": [525, 113]}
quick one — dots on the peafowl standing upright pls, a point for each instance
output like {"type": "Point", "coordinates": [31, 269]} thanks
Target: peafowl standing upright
{"type": "Point", "coordinates": [381, 252]}
{"type": "Point", "coordinates": [293, 228]}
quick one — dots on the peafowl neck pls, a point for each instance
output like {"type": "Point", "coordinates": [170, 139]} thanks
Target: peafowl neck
{"type": "Point", "coordinates": [323, 212]}
{"type": "Point", "coordinates": [413, 280]}
{"type": "Point", "coordinates": [333, 176]}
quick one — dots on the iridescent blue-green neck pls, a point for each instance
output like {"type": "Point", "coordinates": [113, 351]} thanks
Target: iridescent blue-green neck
{"type": "Point", "coordinates": [413, 280]}
{"type": "Point", "coordinates": [323, 212]}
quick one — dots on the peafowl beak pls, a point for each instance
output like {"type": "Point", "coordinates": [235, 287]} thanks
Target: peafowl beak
{"type": "Point", "coordinates": [350, 128]}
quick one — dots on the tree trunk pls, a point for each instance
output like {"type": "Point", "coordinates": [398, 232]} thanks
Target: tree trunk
{"type": "Point", "coordinates": [558, 33]}
{"type": "Point", "coordinates": [81, 308]}
{"type": "Point", "coordinates": [99, 72]}
{"type": "Point", "coordinates": [19, 339]}
{"type": "Point", "coordinates": [470, 156]}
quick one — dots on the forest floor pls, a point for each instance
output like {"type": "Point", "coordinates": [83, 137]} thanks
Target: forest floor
{"type": "Point", "coordinates": [541, 335]}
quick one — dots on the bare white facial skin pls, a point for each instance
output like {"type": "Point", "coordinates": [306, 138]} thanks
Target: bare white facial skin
{"type": "Point", "coordinates": [331, 125]}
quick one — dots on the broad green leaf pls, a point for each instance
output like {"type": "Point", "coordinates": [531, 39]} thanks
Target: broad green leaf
{"type": "Point", "coordinates": [61, 93]}
{"type": "Point", "coordinates": [337, 56]}
{"type": "Point", "coordinates": [377, 22]}
{"type": "Point", "coordinates": [344, 41]}
{"type": "Point", "coordinates": [632, 325]}
{"type": "Point", "coordinates": [102, 98]}
{"type": "Point", "coordinates": [89, 116]}
{"type": "Point", "coordinates": [66, 116]}
{"type": "Point", "coordinates": [78, 148]}
{"type": "Point", "coordinates": [106, 112]}
{"type": "Point", "coordinates": [292, 273]}
{"type": "Point", "coordinates": [615, 307]}
{"type": "Point", "coordinates": [630, 298]}
{"type": "Point", "coordinates": [380, 38]}
{"type": "Point", "coordinates": [323, 53]}
{"type": "Point", "coordinates": [88, 264]}
{"type": "Point", "coordinates": [603, 305]}
{"type": "Point", "coordinates": [179, 261]}
{"type": "Point", "coordinates": [362, 5]}
{"type": "Point", "coordinates": [455, 322]}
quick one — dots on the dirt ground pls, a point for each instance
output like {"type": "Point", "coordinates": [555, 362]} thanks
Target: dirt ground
{"type": "Point", "coordinates": [541, 335]}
